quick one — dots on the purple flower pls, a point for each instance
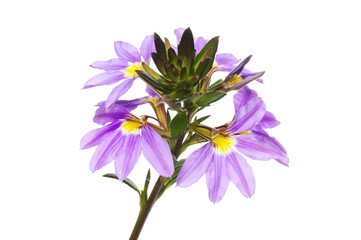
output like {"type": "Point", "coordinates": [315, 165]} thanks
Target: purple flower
{"type": "Point", "coordinates": [220, 159]}
{"type": "Point", "coordinates": [123, 67]}
{"type": "Point", "coordinates": [123, 140]}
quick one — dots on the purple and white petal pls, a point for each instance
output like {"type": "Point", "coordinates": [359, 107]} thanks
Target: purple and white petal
{"type": "Point", "coordinates": [127, 52]}
{"type": "Point", "coordinates": [94, 137]}
{"type": "Point", "coordinates": [118, 91]}
{"type": "Point", "coordinates": [268, 121]}
{"type": "Point", "coordinates": [110, 65]}
{"type": "Point", "coordinates": [195, 166]}
{"type": "Point", "coordinates": [217, 178]}
{"type": "Point", "coordinates": [156, 150]}
{"type": "Point", "coordinates": [105, 78]}
{"type": "Point", "coordinates": [127, 155]}
{"type": "Point", "coordinates": [147, 48]}
{"type": "Point", "coordinates": [240, 173]}
{"type": "Point", "coordinates": [249, 110]}
{"type": "Point", "coordinates": [260, 146]}
{"type": "Point", "coordinates": [104, 152]}
{"type": "Point", "coordinates": [199, 44]}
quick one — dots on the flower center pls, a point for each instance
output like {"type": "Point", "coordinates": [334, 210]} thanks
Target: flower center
{"type": "Point", "coordinates": [235, 79]}
{"type": "Point", "coordinates": [223, 144]}
{"type": "Point", "coordinates": [130, 126]}
{"type": "Point", "coordinates": [130, 71]}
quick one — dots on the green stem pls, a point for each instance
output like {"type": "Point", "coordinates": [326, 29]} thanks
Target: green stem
{"type": "Point", "coordinates": [144, 212]}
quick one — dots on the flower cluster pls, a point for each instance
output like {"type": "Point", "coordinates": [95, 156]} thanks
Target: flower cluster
{"type": "Point", "coordinates": [181, 87]}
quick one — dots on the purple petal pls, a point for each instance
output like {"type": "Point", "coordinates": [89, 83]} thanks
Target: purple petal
{"type": "Point", "coordinates": [249, 108]}
{"type": "Point", "coordinates": [269, 121]}
{"type": "Point", "coordinates": [147, 48]}
{"type": "Point", "coordinates": [156, 151]}
{"type": "Point", "coordinates": [260, 146]}
{"type": "Point", "coordinates": [105, 78]}
{"type": "Point", "coordinates": [217, 178]}
{"type": "Point", "coordinates": [195, 166]}
{"type": "Point", "coordinates": [119, 110]}
{"type": "Point", "coordinates": [226, 61]}
{"type": "Point", "coordinates": [127, 52]}
{"type": "Point", "coordinates": [105, 150]}
{"type": "Point", "coordinates": [247, 72]}
{"type": "Point", "coordinates": [127, 155]}
{"type": "Point", "coordinates": [239, 68]}
{"type": "Point", "coordinates": [240, 173]}
{"type": "Point", "coordinates": [200, 43]}
{"type": "Point", "coordinates": [94, 137]}
{"type": "Point", "coordinates": [118, 91]}
{"type": "Point", "coordinates": [178, 33]}
{"type": "Point", "coordinates": [110, 65]}
{"type": "Point", "coordinates": [151, 92]}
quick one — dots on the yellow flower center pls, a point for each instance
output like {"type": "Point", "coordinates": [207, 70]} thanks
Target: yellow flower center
{"type": "Point", "coordinates": [235, 79]}
{"type": "Point", "coordinates": [223, 144]}
{"type": "Point", "coordinates": [130, 71]}
{"type": "Point", "coordinates": [130, 126]}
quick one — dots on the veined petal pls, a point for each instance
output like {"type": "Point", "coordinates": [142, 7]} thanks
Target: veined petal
{"type": "Point", "coordinates": [119, 110]}
{"type": "Point", "coordinates": [217, 178]}
{"type": "Point", "coordinates": [260, 146]}
{"type": "Point", "coordinates": [94, 137]}
{"type": "Point", "coordinates": [127, 52]}
{"type": "Point", "coordinates": [147, 48]}
{"type": "Point", "coordinates": [199, 44]}
{"type": "Point", "coordinates": [156, 151]}
{"type": "Point", "coordinates": [118, 91]}
{"type": "Point", "coordinates": [127, 155]}
{"type": "Point", "coordinates": [240, 173]}
{"type": "Point", "coordinates": [249, 109]}
{"type": "Point", "coordinates": [105, 78]}
{"type": "Point", "coordinates": [110, 65]}
{"type": "Point", "coordinates": [195, 166]}
{"type": "Point", "coordinates": [226, 61]}
{"type": "Point", "coordinates": [269, 121]}
{"type": "Point", "coordinates": [178, 33]}
{"type": "Point", "coordinates": [105, 150]}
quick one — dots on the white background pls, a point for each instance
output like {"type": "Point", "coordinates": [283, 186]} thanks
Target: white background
{"type": "Point", "coordinates": [310, 51]}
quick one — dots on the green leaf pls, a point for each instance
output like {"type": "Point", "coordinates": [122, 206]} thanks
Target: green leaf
{"type": "Point", "coordinates": [127, 181]}
{"type": "Point", "coordinates": [159, 62]}
{"type": "Point", "coordinates": [146, 77]}
{"type": "Point", "coordinates": [150, 71]}
{"type": "Point", "coordinates": [215, 83]}
{"type": "Point", "coordinates": [146, 183]}
{"type": "Point", "coordinates": [178, 124]}
{"type": "Point", "coordinates": [168, 117]}
{"type": "Point", "coordinates": [186, 45]}
{"type": "Point", "coordinates": [160, 47]}
{"type": "Point", "coordinates": [210, 97]}
{"type": "Point", "coordinates": [212, 44]}
{"type": "Point", "coordinates": [201, 119]}
{"type": "Point", "coordinates": [203, 66]}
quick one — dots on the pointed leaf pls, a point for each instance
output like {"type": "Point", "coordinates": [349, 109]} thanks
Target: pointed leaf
{"type": "Point", "coordinates": [127, 181]}
{"type": "Point", "coordinates": [160, 47]}
{"type": "Point", "coordinates": [209, 98]}
{"type": "Point", "coordinates": [212, 44]}
{"type": "Point", "coordinates": [178, 124]}
{"type": "Point", "coordinates": [186, 45]}
{"type": "Point", "coordinates": [201, 119]}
